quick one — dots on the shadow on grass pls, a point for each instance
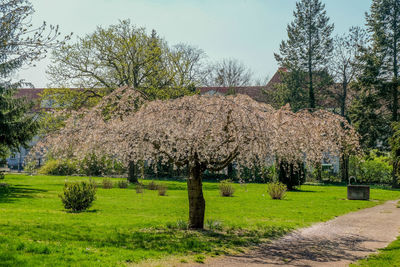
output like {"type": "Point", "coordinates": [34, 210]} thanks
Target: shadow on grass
{"type": "Point", "coordinates": [296, 250]}
{"type": "Point", "coordinates": [13, 192]}
{"type": "Point", "coordinates": [163, 240]}
{"type": "Point", "coordinates": [181, 185]}
{"type": "Point", "coordinates": [83, 211]}
{"type": "Point", "coordinates": [303, 191]}
{"type": "Point", "coordinates": [8, 258]}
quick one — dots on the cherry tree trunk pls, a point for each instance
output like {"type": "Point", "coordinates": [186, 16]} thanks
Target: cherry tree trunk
{"type": "Point", "coordinates": [291, 175]}
{"type": "Point", "coordinates": [197, 204]}
{"type": "Point", "coordinates": [132, 173]}
{"type": "Point", "coordinates": [231, 172]}
{"type": "Point", "coordinates": [344, 166]}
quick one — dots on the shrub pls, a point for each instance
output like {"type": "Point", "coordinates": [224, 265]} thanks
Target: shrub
{"type": "Point", "coordinates": [123, 184]}
{"type": "Point", "coordinates": [162, 190]}
{"type": "Point", "coordinates": [373, 168]}
{"type": "Point", "coordinates": [78, 196]}
{"type": "Point", "coordinates": [93, 165]}
{"type": "Point", "coordinates": [4, 189]}
{"type": "Point", "coordinates": [277, 190]}
{"type": "Point", "coordinates": [139, 188]}
{"type": "Point", "coordinates": [377, 170]}
{"type": "Point", "coordinates": [152, 186]}
{"type": "Point", "coordinates": [226, 188]}
{"type": "Point", "coordinates": [107, 183]}
{"type": "Point", "coordinates": [2, 176]}
{"type": "Point", "coordinates": [58, 167]}
{"type": "Point", "coordinates": [30, 167]}
{"type": "Point", "coordinates": [118, 167]}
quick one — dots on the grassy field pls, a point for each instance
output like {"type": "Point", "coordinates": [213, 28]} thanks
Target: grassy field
{"type": "Point", "coordinates": [124, 227]}
{"type": "Point", "coordinates": [389, 256]}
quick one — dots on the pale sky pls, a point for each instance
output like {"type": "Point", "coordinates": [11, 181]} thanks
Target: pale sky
{"type": "Point", "coordinates": [249, 30]}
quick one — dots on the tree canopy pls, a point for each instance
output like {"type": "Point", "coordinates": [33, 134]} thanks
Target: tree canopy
{"type": "Point", "coordinates": [126, 55]}
{"type": "Point", "coordinates": [199, 133]}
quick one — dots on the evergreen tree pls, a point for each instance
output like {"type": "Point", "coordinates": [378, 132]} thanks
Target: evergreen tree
{"type": "Point", "coordinates": [309, 43]}
{"type": "Point", "coordinates": [290, 90]}
{"type": "Point", "coordinates": [383, 23]}
{"type": "Point", "coordinates": [369, 112]}
{"type": "Point", "coordinates": [20, 45]}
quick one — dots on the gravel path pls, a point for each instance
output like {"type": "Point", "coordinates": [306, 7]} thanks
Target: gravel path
{"type": "Point", "coordinates": [338, 242]}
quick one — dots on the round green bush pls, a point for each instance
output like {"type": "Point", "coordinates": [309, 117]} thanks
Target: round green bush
{"type": "Point", "coordinates": [78, 196]}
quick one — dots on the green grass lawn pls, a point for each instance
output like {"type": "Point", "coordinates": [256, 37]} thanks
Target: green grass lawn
{"type": "Point", "coordinates": [389, 256]}
{"type": "Point", "coordinates": [124, 227]}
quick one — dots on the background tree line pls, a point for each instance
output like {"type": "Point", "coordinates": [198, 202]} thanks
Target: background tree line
{"type": "Point", "coordinates": [357, 71]}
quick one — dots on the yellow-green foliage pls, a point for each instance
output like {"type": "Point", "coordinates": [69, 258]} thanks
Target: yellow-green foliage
{"type": "Point", "coordinates": [162, 190]}
{"type": "Point", "coordinates": [123, 184]}
{"type": "Point", "coordinates": [58, 167]}
{"type": "Point", "coordinates": [107, 183]}
{"type": "Point", "coordinates": [374, 168]}
{"type": "Point", "coordinates": [226, 188]}
{"type": "Point", "coordinates": [152, 186]}
{"type": "Point", "coordinates": [277, 190]}
{"type": "Point", "coordinates": [139, 188]}
{"type": "Point", "coordinates": [78, 196]}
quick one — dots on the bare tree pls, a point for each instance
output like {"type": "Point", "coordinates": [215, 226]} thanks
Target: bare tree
{"type": "Point", "coordinates": [228, 73]}
{"type": "Point", "coordinates": [343, 65]}
{"type": "Point", "coordinates": [187, 63]}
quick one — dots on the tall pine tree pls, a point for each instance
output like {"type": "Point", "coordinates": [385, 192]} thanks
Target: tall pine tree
{"type": "Point", "coordinates": [309, 45]}
{"type": "Point", "coordinates": [383, 23]}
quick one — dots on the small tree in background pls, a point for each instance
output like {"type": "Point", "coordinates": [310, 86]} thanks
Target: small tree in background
{"type": "Point", "coordinates": [344, 69]}
{"type": "Point", "coordinates": [228, 73]}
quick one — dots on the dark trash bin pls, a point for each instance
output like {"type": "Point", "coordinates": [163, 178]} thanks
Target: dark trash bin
{"type": "Point", "coordinates": [358, 192]}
